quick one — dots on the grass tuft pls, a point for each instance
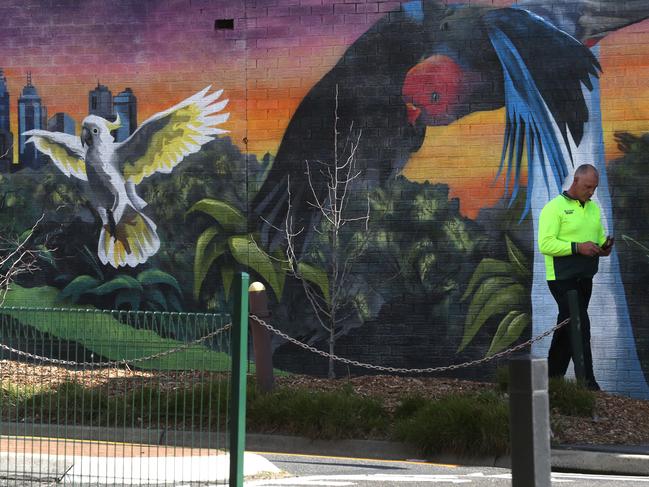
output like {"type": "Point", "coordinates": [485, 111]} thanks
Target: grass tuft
{"type": "Point", "coordinates": [571, 398]}
{"type": "Point", "coordinates": [502, 379]}
{"type": "Point", "coordinates": [410, 406]}
{"type": "Point", "coordinates": [460, 424]}
{"type": "Point", "coordinates": [317, 415]}
{"type": "Point", "coordinates": [568, 397]}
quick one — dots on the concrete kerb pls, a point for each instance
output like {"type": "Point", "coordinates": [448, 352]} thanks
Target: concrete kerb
{"type": "Point", "coordinates": [578, 459]}
{"type": "Point", "coordinates": [208, 466]}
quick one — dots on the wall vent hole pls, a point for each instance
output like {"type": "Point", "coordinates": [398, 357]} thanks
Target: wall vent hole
{"type": "Point", "coordinates": [224, 24]}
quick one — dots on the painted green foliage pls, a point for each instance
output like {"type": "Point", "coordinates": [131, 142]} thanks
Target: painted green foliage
{"type": "Point", "coordinates": [151, 289]}
{"type": "Point", "coordinates": [226, 244]}
{"type": "Point", "coordinates": [499, 289]}
{"type": "Point", "coordinates": [107, 336]}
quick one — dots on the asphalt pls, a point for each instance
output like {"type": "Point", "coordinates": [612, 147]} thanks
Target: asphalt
{"type": "Point", "coordinates": [618, 459]}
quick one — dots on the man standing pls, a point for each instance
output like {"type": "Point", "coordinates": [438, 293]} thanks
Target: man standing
{"type": "Point", "coordinates": [572, 239]}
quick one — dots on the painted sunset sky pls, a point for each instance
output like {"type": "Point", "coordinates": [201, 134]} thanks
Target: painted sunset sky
{"type": "Point", "coordinates": [166, 51]}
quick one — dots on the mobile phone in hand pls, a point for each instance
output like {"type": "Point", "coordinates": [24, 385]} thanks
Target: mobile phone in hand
{"type": "Point", "coordinates": [609, 243]}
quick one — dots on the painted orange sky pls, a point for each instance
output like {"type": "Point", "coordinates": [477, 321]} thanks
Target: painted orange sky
{"type": "Point", "coordinates": [266, 74]}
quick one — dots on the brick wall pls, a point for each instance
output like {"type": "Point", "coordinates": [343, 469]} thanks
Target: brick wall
{"type": "Point", "coordinates": [449, 254]}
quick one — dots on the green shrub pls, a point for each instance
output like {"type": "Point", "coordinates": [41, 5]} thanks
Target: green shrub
{"type": "Point", "coordinates": [571, 398]}
{"type": "Point", "coordinates": [200, 406]}
{"type": "Point", "coordinates": [409, 406]}
{"type": "Point", "coordinates": [566, 396]}
{"type": "Point", "coordinates": [321, 415]}
{"type": "Point", "coordinates": [502, 379]}
{"type": "Point", "coordinates": [460, 424]}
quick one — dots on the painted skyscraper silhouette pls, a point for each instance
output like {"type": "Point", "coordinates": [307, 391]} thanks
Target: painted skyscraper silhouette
{"type": "Point", "coordinates": [100, 102]}
{"type": "Point", "coordinates": [31, 115]}
{"type": "Point", "coordinates": [125, 105]}
{"type": "Point", "coordinates": [62, 122]}
{"type": "Point", "coordinates": [6, 137]}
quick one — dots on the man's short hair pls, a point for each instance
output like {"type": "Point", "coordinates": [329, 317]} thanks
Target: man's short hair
{"type": "Point", "coordinates": [584, 169]}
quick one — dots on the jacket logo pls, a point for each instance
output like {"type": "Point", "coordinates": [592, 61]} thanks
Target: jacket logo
{"type": "Point", "coordinates": [569, 212]}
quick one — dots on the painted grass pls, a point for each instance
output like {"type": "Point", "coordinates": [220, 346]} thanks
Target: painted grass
{"type": "Point", "coordinates": [102, 334]}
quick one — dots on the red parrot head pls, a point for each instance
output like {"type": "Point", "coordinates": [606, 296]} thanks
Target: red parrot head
{"type": "Point", "coordinates": [436, 91]}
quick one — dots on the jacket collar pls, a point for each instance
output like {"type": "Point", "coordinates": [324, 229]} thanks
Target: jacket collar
{"type": "Point", "coordinates": [568, 197]}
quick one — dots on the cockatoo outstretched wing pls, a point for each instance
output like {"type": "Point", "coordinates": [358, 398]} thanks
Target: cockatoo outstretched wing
{"type": "Point", "coordinates": [64, 149]}
{"type": "Point", "coordinates": [165, 139]}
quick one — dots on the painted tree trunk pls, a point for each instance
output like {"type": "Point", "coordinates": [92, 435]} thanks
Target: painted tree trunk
{"type": "Point", "coordinates": [615, 358]}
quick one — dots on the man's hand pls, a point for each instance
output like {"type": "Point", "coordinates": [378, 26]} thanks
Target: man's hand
{"type": "Point", "coordinates": [607, 247]}
{"type": "Point", "coordinates": [590, 249]}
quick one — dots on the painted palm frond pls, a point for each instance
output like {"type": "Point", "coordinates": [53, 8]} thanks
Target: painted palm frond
{"type": "Point", "coordinates": [227, 245]}
{"type": "Point", "coordinates": [498, 289]}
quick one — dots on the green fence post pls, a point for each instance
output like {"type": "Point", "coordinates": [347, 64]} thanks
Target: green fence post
{"type": "Point", "coordinates": [239, 365]}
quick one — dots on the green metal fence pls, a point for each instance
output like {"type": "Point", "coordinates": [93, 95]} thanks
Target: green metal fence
{"type": "Point", "coordinates": [116, 397]}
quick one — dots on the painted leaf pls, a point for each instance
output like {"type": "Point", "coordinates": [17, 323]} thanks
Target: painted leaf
{"type": "Point", "coordinates": [47, 255]}
{"type": "Point", "coordinates": [79, 285]}
{"type": "Point", "coordinates": [507, 298]}
{"type": "Point", "coordinates": [116, 284]}
{"type": "Point", "coordinates": [246, 252]}
{"type": "Point", "coordinates": [509, 330]}
{"type": "Point", "coordinates": [203, 261]}
{"type": "Point", "coordinates": [227, 276]}
{"type": "Point", "coordinates": [157, 298]}
{"type": "Point", "coordinates": [627, 239]}
{"type": "Point", "coordinates": [174, 303]}
{"type": "Point", "coordinates": [127, 297]}
{"type": "Point", "coordinates": [488, 290]}
{"type": "Point", "coordinates": [25, 235]}
{"type": "Point", "coordinates": [487, 268]}
{"type": "Point", "coordinates": [231, 219]}
{"type": "Point", "coordinates": [518, 258]}
{"type": "Point", "coordinates": [315, 275]}
{"type": "Point", "coordinates": [151, 277]}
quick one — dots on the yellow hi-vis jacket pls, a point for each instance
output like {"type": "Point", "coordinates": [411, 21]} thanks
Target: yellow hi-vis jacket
{"type": "Point", "coordinates": [563, 223]}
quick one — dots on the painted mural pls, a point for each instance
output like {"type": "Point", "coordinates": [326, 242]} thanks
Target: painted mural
{"type": "Point", "coordinates": [380, 166]}
{"type": "Point", "coordinates": [113, 170]}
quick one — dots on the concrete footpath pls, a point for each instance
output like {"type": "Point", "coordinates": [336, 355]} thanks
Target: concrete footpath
{"type": "Point", "coordinates": [83, 462]}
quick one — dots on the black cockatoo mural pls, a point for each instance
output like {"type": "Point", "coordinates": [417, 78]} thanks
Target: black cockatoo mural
{"type": "Point", "coordinates": [431, 64]}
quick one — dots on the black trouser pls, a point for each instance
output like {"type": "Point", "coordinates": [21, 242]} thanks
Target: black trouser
{"type": "Point", "coordinates": [561, 350]}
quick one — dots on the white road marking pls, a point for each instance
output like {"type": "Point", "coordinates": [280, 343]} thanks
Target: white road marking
{"type": "Point", "coordinates": [610, 478]}
{"type": "Point", "coordinates": [350, 480]}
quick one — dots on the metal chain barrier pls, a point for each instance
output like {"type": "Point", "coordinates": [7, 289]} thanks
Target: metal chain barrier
{"type": "Point", "coordinates": [114, 363]}
{"type": "Point", "coordinates": [294, 341]}
{"type": "Point", "coordinates": [403, 370]}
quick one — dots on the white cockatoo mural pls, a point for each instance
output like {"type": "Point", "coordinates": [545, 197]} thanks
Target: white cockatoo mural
{"type": "Point", "coordinates": [113, 170]}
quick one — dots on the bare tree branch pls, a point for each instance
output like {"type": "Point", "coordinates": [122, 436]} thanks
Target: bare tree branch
{"type": "Point", "coordinates": [338, 177]}
{"type": "Point", "coordinates": [17, 258]}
